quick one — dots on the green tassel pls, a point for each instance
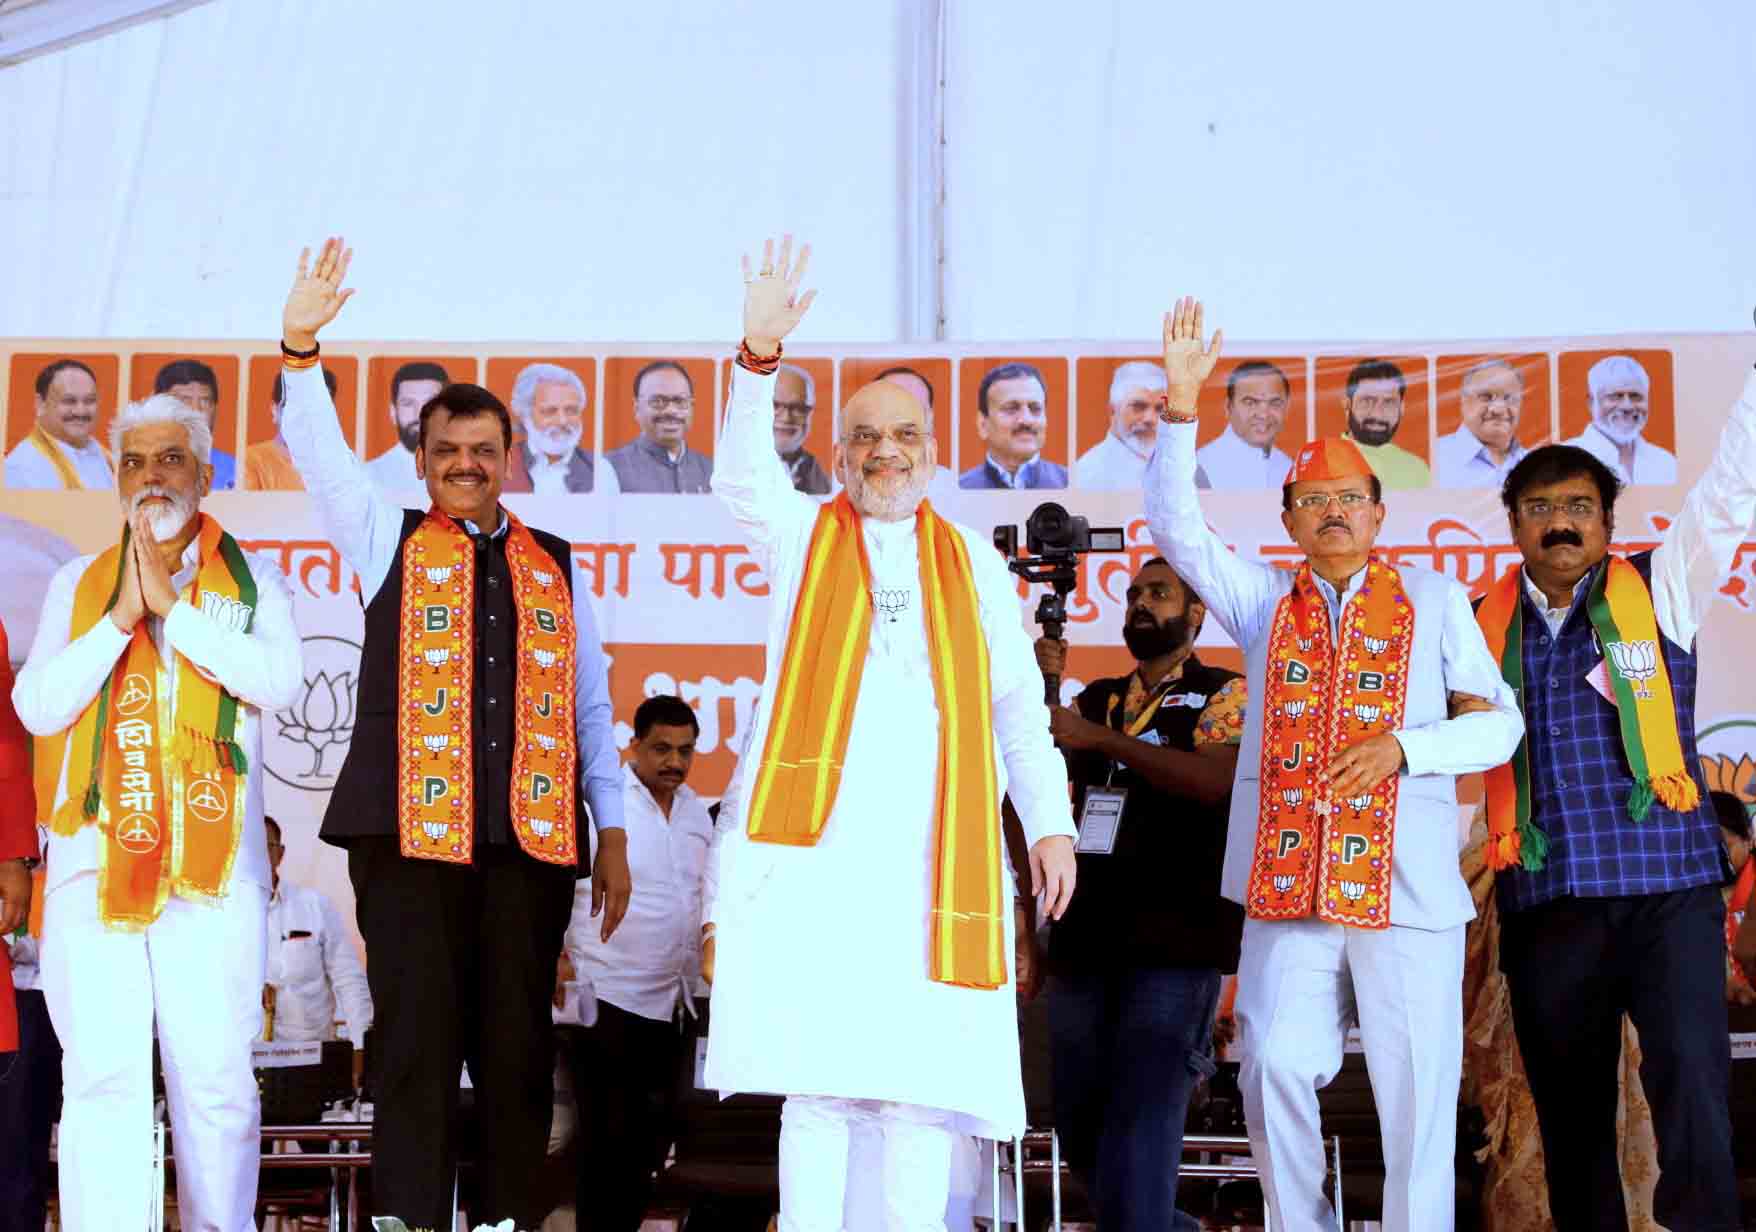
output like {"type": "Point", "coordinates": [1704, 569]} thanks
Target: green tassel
{"type": "Point", "coordinates": [1640, 799]}
{"type": "Point", "coordinates": [1533, 846]}
{"type": "Point", "coordinates": [93, 797]}
{"type": "Point", "coordinates": [239, 764]}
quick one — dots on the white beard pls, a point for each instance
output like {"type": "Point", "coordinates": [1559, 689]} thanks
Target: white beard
{"type": "Point", "coordinates": [1619, 429]}
{"type": "Point", "coordinates": [898, 504]}
{"type": "Point", "coordinates": [553, 442]}
{"type": "Point", "coordinates": [165, 520]}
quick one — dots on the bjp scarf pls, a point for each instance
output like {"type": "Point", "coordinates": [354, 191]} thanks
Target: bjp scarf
{"type": "Point", "coordinates": [45, 445]}
{"type": "Point", "coordinates": [1619, 606]}
{"type": "Point", "coordinates": [435, 757]}
{"type": "Point", "coordinates": [800, 771]}
{"type": "Point", "coordinates": [162, 778]}
{"type": "Point", "coordinates": [1315, 852]}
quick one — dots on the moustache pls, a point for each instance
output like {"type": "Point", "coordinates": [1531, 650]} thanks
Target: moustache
{"type": "Point", "coordinates": [1333, 524]}
{"type": "Point", "coordinates": [1555, 538]}
{"type": "Point", "coordinates": [885, 466]}
{"type": "Point", "coordinates": [456, 476]}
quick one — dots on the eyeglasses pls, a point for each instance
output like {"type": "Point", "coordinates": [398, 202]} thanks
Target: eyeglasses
{"type": "Point", "coordinates": [1317, 502]}
{"type": "Point", "coordinates": [797, 412]}
{"type": "Point", "coordinates": [658, 404]}
{"type": "Point", "coordinates": [905, 437]}
{"type": "Point", "coordinates": [1537, 511]}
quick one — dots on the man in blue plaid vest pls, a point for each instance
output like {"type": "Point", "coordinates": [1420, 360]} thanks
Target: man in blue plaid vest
{"type": "Point", "coordinates": [1610, 891]}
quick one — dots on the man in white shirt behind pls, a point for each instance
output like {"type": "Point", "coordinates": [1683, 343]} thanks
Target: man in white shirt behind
{"type": "Point", "coordinates": [62, 449]}
{"type": "Point", "coordinates": [1118, 462]}
{"type": "Point", "coordinates": [1620, 393]}
{"type": "Point", "coordinates": [625, 1066]}
{"type": "Point", "coordinates": [1258, 396]}
{"type": "Point", "coordinates": [314, 967]}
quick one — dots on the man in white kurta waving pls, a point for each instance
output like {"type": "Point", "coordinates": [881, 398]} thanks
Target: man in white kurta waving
{"type": "Point", "coordinates": [861, 926]}
{"type": "Point", "coordinates": [1371, 689]}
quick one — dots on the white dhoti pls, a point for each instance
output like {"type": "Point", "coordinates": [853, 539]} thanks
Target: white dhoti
{"type": "Point", "coordinates": [1301, 985]}
{"type": "Point", "coordinates": [915, 1149]}
{"type": "Point", "coordinates": [199, 970]}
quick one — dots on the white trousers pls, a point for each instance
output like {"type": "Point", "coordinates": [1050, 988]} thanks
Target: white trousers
{"type": "Point", "coordinates": [199, 969]}
{"type": "Point", "coordinates": [915, 1163]}
{"type": "Point", "coordinates": [1301, 985]}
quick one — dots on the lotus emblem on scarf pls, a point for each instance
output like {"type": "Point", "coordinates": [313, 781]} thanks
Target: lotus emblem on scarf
{"type": "Point", "coordinates": [1359, 804]}
{"type": "Point", "coordinates": [438, 657]}
{"type": "Point", "coordinates": [545, 658]}
{"type": "Point", "coordinates": [440, 575]}
{"type": "Point", "coordinates": [542, 577]}
{"type": "Point", "coordinates": [1292, 795]}
{"type": "Point", "coordinates": [1353, 891]}
{"type": "Point", "coordinates": [1377, 645]}
{"type": "Point", "coordinates": [436, 830]}
{"type": "Point", "coordinates": [1283, 882]}
{"type": "Point", "coordinates": [1636, 662]}
{"type": "Point", "coordinates": [1367, 713]}
{"type": "Point", "coordinates": [436, 743]}
{"type": "Point", "coordinates": [546, 743]}
{"type": "Point", "coordinates": [1294, 709]}
{"type": "Point", "coordinates": [542, 828]}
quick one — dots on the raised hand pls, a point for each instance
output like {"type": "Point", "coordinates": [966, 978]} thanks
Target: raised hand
{"type": "Point", "coordinates": [156, 590]}
{"type": "Point", "coordinates": [772, 303]}
{"type": "Point", "coordinates": [1187, 365]}
{"type": "Point", "coordinates": [317, 293]}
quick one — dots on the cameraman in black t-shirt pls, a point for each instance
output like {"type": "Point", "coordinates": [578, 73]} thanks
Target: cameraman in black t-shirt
{"type": "Point", "coordinates": [1135, 964]}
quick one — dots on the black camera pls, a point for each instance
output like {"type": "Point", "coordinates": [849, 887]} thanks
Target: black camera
{"type": "Point", "coordinates": [1054, 540]}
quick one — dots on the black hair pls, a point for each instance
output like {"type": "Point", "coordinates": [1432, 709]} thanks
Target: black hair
{"type": "Point", "coordinates": [185, 372]}
{"type": "Point", "coordinates": [1007, 372]}
{"type": "Point", "coordinates": [905, 370]}
{"type": "Point", "coordinates": [1734, 818]}
{"type": "Point", "coordinates": [47, 376]}
{"type": "Point", "coordinates": [280, 386]}
{"type": "Point", "coordinates": [667, 710]}
{"type": "Point", "coordinates": [1286, 492]}
{"type": "Point", "coordinates": [419, 370]}
{"type": "Point", "coordinates": [465, 401]}
{"type": "Point", "coordinates": [1257, 367]}
{"type": "Point", "coordinates": [663, 365]}
{"type": "Point", "coordinates": [1554, 463]}
{"type": "Point", "coordinates": [1376, 370]}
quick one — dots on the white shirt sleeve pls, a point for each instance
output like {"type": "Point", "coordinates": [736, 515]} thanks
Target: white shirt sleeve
{"type": "Point", "coordinates": [726, 830]}
{"type": "Point", "coordinates": [364, 524]}
{"type": "Point", "coordinates": [1474, 742]}
{"type": "Point", "coordinates": [1698, 548]}
{"type": "Point", "coordinates": [1036, 773]}
{"type": "Point", "coordinates": [262, 667]}
{"type": "Point", "coordinates": [1238, 593]}
{"type": "Point", "coordinates": [750, 477]}
{"type": "Point", "coordinates": [600, 771]}
{"type": "Point", "coordinates": [347, 978]}
{"type": "Point", "coordinates": [60, 677]}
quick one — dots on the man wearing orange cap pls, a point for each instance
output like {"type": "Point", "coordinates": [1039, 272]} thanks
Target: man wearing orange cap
{"type": "Point", "coordinates": [1372, 688]}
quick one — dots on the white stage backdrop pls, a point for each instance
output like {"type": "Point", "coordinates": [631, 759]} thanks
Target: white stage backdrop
{"type": "Point", "coordinates": [681, 604]}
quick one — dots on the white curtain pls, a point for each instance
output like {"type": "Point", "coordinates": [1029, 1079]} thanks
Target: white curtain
{"type": "Point", "coordinates": [570, 171]}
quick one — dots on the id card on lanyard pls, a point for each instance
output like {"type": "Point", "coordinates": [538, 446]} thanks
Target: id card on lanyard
{"type": "Point", "coordinates": [1101, 817]}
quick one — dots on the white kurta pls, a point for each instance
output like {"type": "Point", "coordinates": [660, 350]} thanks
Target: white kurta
{"type": "Point", "coordinates": [821, 984]}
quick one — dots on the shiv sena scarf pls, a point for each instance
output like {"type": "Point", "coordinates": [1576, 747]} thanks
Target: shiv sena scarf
{"type": "Point", "coordinates": [819, 681]}
{"type": "Point", "coordinates": [1619, 606]}
{"type": "Point", "coordinates": [1315, 853]}
{"type": "Point", "coordinates": [436, 806]}
{"type": "Point", "coordinates": [163, 780]}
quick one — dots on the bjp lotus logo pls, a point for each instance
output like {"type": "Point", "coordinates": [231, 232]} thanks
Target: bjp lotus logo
{"type": "Point", "coordinates": [1636, 662]}
{"type": "Point", "coordinates": [320, 722]}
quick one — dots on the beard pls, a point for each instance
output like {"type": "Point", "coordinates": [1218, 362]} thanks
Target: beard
{"type": "Point", "coordinates": [165, 520]}
{"type": "Point", "coordinates": [1622, 429]}
{"type": "Point", "coordinates": [554, 442]}
{"type": "Point", "coordinates": [1153, 641]}
{"type": "Point", "coordinates": [409, 435]}
{"type": "Point", "coordinates": [1372, 433]}
{"type": "Point", "coordinates": [893, 505]}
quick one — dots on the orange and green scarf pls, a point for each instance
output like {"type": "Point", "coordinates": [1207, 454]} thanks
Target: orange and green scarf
{"type": "Point", "coordinates": [1316, 854]}
{"type": "Point", "coordinates": [45, 445]}
{"type": "Point", "coordinates": [1619, 606]}
{"type": "Point", "coordinates": [436, 809]}
{"type": "Point", "coordinates": [813, 711]}
{"type": "Point", "coordinates": [162, 779]}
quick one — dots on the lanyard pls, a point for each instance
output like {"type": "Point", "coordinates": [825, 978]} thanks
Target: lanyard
{"type": "Point", "coordinates": [1160, 691]}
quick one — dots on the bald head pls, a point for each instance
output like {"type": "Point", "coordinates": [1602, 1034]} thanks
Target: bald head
{"type": "Point", "coordinates": [885, 453]}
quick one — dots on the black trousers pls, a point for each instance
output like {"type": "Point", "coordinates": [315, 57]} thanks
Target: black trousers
{"type": "Point", "coordinates": [1573, 967]}
{"type": "Point", "coordinates": [461, 962]}
{"type": "Point", "coordinates": [625, 1079]}
{"type": "Point", "coordinates": [30, 1090]}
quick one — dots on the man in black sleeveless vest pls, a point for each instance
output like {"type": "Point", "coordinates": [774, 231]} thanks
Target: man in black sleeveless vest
{"type": "Point", "coordinates": [461, 950]}
{"type": "Point", "coordinates": [1135, 964]}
